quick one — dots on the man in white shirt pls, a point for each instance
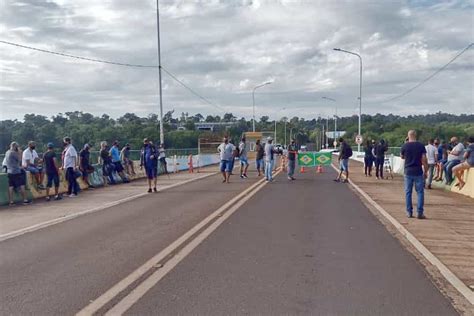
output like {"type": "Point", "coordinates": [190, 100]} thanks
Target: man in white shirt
{"type": "Point", "coordinates": [454, 158]}
{"type": "Point", "coordinates": [269, 159]}
{"type": "Point", "coordinates": [432, 157]}
{"type": "Point", "coordinates": [70, 164]}
{"type": "Point", "coordinates": [31, 163]}
{"type": "Point", "coordinates": [244, 164]}
{"type": "Point", "coordinates": [226, 151]}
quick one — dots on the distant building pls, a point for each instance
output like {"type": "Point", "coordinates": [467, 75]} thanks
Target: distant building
{"type": "Point", "coordinates": [214, 126]}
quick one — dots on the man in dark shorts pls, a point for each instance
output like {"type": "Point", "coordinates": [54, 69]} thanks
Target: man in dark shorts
{"type": "Point", "coordinates": [49, 162]}
{"type": "Point", "coordinates": [107, 166]}
{"type": "Point", "coordinates": [16, 174]}
{"type": "Point", "coordinates": [414, 154]}
{"type": "Point", "coordinates": [149, 160]}
{"type": "Point", "coordinates": [84, 164]}
{"type": "Point", "coordinates": [126, 161]}
{"type": "Point", "coordinates": [115, 155]}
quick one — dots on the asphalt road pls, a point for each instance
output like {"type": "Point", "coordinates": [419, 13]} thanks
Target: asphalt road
{"type": "Point", "coordinates": [305, 247]}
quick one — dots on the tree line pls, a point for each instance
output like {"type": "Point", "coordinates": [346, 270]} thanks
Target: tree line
{"type": "Point", "coordinates": [129, 128]}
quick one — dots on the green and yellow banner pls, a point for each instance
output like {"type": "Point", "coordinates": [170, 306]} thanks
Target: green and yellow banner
{"type": "Point", "coordinates": [314, 159]}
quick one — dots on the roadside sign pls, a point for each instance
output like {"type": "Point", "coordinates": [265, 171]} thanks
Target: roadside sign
{"type": "Point", "coordinates": [359, 139]}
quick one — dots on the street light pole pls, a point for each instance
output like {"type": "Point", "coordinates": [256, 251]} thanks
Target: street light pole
{"type": "Point", "coordinates": [162, 133]}
{"type": "Point", "coordinates": [335, 118]}
{"type": "Point", "coordinates": [253, 100]}
{"type": "Point", "coordinates": [360, 87]}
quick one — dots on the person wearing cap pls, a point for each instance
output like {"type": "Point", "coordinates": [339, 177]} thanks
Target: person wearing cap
{"type": "Point", "coordinates": [149, 160]}
{"type": "Point", "coordinates": [269, 159]}
{"type": "Point", "coordinates": [31, 163]}
{"type": "Point", "coordinates": [51, 167]}
{"type": "Point", "coordinates": [84, 164]}
{"type": "Point", "coordinates": [126, 161]}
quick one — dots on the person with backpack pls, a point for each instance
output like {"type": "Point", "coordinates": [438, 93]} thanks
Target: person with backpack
{"type": "Point", "coordinates": [345, 152]}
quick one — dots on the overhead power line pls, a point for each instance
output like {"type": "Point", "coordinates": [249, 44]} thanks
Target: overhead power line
{"type": "Point", "coordinates": [116, 64]}
{"type": "Point", "coordinates": [191, 90]}
{"type": "Point", "coordinates": [79, 57]}
{"type": "Point", "coordinates": [430, 76]}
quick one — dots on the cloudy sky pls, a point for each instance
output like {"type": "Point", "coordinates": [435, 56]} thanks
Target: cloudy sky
{"type": "Point", "coordinates": [222, 49]}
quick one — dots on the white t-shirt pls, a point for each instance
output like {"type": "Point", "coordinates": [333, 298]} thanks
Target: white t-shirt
{"type": "Point", "coordinates": [431, 152]}
{"type": "Point", "coordinates": [225, 151]}
{"type": "Point", "coordinates": [30, 155]}
{"type": "Point", "coordinates": [460, 149]}
{"type": "Point", "coordinates": [268, 152]}
{"type": "Point", "coordinates": [69, 156]}
{"type": "Point", "coordinates": [243, 150]}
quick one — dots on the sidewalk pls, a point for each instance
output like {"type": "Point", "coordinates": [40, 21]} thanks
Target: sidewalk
{"type": "Point", "coordinates": [19, 219]}
{"type": "Point", "coordinates": [448, 230]}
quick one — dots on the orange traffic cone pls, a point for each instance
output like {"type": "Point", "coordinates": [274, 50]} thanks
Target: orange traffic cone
{"type": "Point", "coordinates": [302, 169]}
{"type": "Point", "coordinates": [320, 169]}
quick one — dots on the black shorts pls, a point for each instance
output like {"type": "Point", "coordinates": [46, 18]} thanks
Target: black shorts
{"type": "Point", "coordinates": [86, 170]}
{"type": "Point", "coordinates": [118, 166]}
{"type": "Point", "coordinates": [16, 180]}
{"type": "Point", "coordinates": [53, 178]}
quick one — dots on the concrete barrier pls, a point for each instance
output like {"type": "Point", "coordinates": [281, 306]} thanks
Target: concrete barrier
{"type": "Point", "coordinates": [96, 178]}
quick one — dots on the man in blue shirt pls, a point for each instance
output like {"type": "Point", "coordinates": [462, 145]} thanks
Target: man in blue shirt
{"type": "Point", "coordinates": [416, 167]}
{"type": "Point", "coordinates": [115, 155]}
{"type": "Point", "coordinates": [149, 160]}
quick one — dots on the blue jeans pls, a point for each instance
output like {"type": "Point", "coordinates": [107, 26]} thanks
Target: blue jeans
{"type": "Point", "coordinates": [291, 167]}
{"type": "Point", "coordinates": [269, 169]}
{"type": "Point", "coordinates": [419, 183]}
{"type": "Point", "coordinates": [448, 169]}
{"type": "Point", "coordinates": [260, 164]}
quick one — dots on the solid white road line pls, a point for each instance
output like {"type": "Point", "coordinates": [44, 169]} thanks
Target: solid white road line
{"type": "Point", "coordinates": [448, 274]}
{"type": "Point", "coordinates": [105, 298]}
{"type": "Point", "coordinates": [55, 221]}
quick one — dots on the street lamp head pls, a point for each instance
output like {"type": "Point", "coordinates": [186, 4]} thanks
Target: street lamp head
{"type": "Point", "coordinates": [338, 49]}
{"type": "Point", "coordinates": [268, 82]}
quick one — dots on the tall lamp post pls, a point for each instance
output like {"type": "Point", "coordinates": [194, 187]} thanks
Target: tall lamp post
{"type": "Point", "coordinates": [162, 133]}
{"type": "Point", "coordinates": [360, 86]}
{"type": "Point", "coordinates": [253, 99]}
{"type": "Point", "coordinates": [335, 119]}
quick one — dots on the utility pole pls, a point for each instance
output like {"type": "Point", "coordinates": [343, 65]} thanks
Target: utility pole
{"type": "Point", "coordinates": [162, 133]}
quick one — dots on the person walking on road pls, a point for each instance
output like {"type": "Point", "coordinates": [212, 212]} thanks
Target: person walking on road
{"type": "Point", "coordinates": [379, 151]}
{"type": "Point", "coordinates": [16, 174]}
{"type": "Point", "coordinates": [416, 167]}
{"type": "Point", "coordinates": [432, 157]}
{"type": "Point", "coordinates": [244, 164]}
{"type": "Point", "coordinates": [70, 164]}
{"type": "Point", "coordinates": [345, 152]}
{"type": "Point", "coordinates": [259, 157]}
{"type": "Point", "coordinates": [269, 159]}
{"type": "Point", "coordinates": [226, 151]}
{"type": "Point", "coordinates": [292, 152]}
{"type": "Point", "coordinates": [368, 158]}
{"type": "Point", "coordinates": [149, 160]}
{"type": "Point", "coordinates": [51, 167]}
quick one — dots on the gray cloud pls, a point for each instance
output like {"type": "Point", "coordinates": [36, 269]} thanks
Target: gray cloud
{"type": "Point", "coordinates": [222, 49]}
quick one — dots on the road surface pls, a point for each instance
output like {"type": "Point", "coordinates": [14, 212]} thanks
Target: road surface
{"type": "Point", "coordinates": [303, 247]}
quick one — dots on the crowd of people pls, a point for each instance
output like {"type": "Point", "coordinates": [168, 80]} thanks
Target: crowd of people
{"type": "Point", "coordinates": [114, 162]}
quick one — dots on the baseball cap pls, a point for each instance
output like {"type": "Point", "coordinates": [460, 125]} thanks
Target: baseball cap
{"type": "Point", "coordinates": [269, 138]}
{"type": "Point", "coordinates": [50, 145]}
